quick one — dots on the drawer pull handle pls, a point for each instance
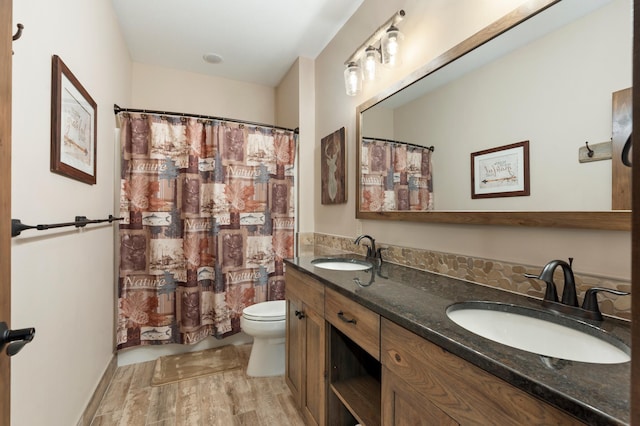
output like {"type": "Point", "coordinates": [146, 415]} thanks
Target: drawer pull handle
{"type": "Point", "coordinates": [345, 319]}
{"type": "Point", "coordinates": [299, 314]}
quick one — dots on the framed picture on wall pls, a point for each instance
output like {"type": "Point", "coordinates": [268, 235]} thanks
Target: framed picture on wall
{"type": "Point", "coordinates": [333, 168]}
{"type": "Point", "coordinates": [501, 171]}
{"type": "Point", "coordinates": [74, 121]}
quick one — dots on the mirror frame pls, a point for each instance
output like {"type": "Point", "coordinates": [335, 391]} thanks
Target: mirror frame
{"type": "Point", "coordinates": [618, 220]}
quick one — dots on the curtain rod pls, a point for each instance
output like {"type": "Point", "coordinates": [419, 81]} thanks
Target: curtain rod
{"type": "Point", "coordinates": [430, 148]}
{"type": "Point", "coordinates": [117, 109]}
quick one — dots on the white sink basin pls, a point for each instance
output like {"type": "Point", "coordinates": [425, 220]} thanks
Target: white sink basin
{"type": "Point", "coordinates": [539, 332]}
{"type": "Point", "coordinates": [341, 264]}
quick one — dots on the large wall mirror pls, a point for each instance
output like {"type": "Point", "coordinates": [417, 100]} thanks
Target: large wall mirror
{"type": "Point", "coordinates": [546, 73]}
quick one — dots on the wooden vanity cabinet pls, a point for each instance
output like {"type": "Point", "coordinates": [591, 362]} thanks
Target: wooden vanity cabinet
{"type": "Point", "coordinates": [424, 384]}
{"type": "Point", "coordinates": [305, 371]}
{"type": "Point", "coordinates": [345, 364]}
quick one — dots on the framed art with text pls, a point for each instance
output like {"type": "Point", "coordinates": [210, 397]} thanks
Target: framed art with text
{"type": "Point", "coordinates": [501, 172]}
{"type": "Point", "coordinates": [73, 126]}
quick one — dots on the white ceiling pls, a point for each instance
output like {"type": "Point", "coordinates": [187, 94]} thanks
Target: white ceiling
{"type": "Point", "coordinates": [258, 40]}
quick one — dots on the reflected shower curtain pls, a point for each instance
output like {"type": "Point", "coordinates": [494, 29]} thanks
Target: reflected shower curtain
{"type": "Point", "coordinates": [209, 218]}
{"type": "Point", "coordinates": [395, 176]}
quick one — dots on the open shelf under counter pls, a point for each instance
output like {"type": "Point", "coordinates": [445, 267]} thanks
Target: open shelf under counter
{"type": "Point", "coordinates": [361, 396]}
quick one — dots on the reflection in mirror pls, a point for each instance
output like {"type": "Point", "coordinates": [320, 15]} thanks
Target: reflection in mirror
{"type": "Point", "coordinates": [549, 80]}
{"type": "Point", "coordinates": [407, 166]}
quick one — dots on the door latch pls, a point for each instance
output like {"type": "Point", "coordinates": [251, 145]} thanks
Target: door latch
{"type": "Point", "coordinates": [15, 339]}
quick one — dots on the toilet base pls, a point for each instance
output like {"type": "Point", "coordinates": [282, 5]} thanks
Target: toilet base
{"type": "Point", "coordinates": [267, 357]}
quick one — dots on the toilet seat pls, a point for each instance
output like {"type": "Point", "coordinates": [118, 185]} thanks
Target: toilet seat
{"type": "Point", "coordinates": [275, 310]}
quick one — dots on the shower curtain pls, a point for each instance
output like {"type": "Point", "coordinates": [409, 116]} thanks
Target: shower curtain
{"type": "Point", "coordinates": [395, 176]}
{"type": "Point", "coordinates": [209, 210]}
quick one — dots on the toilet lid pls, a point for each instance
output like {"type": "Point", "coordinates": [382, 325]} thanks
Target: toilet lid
{"type": "Point", "coordinates": [275, 310]}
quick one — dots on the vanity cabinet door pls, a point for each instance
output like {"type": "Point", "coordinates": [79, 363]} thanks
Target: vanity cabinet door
{"type": "Point", "coordinates": [294, 342]}
{"type": "Point", "coordinates": [305, 371]}
{"type": "Point", "coordinates": [313, 397]}
{"type": "Point", "coordinates": [402, 405]}
{"type": "Point", "coordinates": [452, 387]}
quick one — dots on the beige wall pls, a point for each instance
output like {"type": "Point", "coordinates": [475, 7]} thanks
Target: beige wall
{"type": "Point", "coordinates": [172, 90]}
{"type": "Point", "coordinates": [295, 107]}
{"type": "Point", "coordinates": [62, 280]}
{"type": "Point", "coordinates": [287, 98]}
{"type": "Point", "coordinates": [431, 28]}
{"type": "Point", "coordinates": [307, 189]}
{"type": "Point", "coordinates": [306, 145]}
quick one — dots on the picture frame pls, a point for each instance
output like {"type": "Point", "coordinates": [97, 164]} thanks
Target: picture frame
{"type": "Point", "coordinates": [333, 168]}
{"type": "Point", "coordinates": [501, 172]}
{"type": "Point", "coordinates": [74, 118]}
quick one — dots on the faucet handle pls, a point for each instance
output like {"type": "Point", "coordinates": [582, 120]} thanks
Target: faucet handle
{"type": "Point", "coordinates": [590, 302]}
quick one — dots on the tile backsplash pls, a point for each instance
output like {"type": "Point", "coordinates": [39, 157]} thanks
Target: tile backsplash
{"type": "Point", "coordinates": [494, 273]}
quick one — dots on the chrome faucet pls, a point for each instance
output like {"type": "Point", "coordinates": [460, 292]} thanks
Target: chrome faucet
{"type": "Point", "coordinates": [569, 303]}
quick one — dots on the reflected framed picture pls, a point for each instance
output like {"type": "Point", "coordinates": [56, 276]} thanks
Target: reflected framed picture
{"type": "Point", "coordinates": [74, 121]}
{"type": "Point", "coordinates": [501, 172]}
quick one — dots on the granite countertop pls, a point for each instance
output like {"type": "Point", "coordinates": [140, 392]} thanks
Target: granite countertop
{"type": "Point", "coordinates": [597, 394]}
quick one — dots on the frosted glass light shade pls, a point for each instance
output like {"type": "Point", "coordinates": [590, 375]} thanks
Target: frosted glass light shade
{"type": "Point", "coordinates": [352, 79]}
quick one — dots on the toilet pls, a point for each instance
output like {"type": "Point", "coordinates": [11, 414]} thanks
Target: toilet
{"type": "Point", "coordinates": [265, 322]}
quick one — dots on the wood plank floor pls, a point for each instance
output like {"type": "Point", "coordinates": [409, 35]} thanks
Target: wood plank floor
{"type": "Point", "coordinates": [225, 399]}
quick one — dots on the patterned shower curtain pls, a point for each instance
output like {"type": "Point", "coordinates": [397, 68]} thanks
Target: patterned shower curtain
{"type": "Point", "coordinates": [209, 218]}
{"type": "Point", "coordinates": [395, 176]}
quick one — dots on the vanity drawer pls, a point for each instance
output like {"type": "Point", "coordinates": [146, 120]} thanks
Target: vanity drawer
{"type": "Point", "coordinates": [357, 322]}
{"type": "Point", "coordinates": [305, 288]}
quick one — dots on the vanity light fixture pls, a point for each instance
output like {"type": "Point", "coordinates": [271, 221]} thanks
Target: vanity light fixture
{"type": "Point", "coordinates": [383, 46]}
